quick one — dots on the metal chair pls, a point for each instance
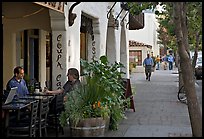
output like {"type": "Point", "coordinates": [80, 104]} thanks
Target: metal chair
{"type": "Point", "coordinates": [56, 107]}
{"type": "Point", "coordinates": [42, 116]}
{"type": "Point", "coordinates": [25, 127]}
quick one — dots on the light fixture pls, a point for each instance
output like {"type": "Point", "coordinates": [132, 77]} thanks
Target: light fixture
{"type": "Point", "coordinates": [72, 16]}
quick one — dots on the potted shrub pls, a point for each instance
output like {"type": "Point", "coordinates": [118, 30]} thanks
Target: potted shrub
{"type": "Point", "coordinates": [85, 106]}
{"type": "Point", "coordinates": [100, 94]}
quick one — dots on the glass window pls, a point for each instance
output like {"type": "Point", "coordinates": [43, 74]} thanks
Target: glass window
{"type": "Point", "coordinates": [135, 56]}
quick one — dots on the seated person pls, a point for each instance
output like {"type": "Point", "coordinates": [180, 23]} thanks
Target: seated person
{"type": "Point", "coordinates": [73, 81]}
{"type": "Point", "coordinates": [18, 81]}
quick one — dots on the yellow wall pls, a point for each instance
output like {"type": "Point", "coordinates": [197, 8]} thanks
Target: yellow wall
{"type": "Point", "coordinates": [13, 22]}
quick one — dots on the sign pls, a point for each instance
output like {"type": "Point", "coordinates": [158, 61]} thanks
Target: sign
{"type": "Point", "coordinates": [57, 6]}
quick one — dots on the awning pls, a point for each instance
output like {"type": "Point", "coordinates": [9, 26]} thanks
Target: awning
{"type": "Point", "coordinates": [133, 43]}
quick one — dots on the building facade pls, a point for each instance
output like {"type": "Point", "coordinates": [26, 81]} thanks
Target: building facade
{"type": "Point", "coordinates": [145, 40]}
{"type": "Point", "coordinates": [48, 38]}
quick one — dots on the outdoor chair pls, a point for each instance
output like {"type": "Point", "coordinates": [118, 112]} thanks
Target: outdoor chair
{"type": "Point", "coordinates": [25, 127]}
{"type": "Point", "coordinates": [56, 107]}
{"type": "Point", "coordinates": [43, 110]}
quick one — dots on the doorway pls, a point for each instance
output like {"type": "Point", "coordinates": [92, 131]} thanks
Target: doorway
{"type": "Point", "coordinates": [31, 53]}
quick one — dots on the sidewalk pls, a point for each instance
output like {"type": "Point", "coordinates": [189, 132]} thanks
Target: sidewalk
{"type": "Point", "coordinates": [158, 112]}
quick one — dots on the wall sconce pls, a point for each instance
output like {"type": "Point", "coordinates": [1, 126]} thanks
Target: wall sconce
{"type": "Point", "coordinates": [72, 16]}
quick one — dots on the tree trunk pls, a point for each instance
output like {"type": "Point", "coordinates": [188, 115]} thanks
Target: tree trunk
{"type": "Point", "coordinates": [179, 9]}
{"type": "Point", "coordinates": [176, 58]}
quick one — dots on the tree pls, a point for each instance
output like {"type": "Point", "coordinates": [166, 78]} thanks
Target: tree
{"type": "Point", "coordinates": [181, 31]}
{"type": "Point", "coordinates": [194, 20]}
{"type": "Point", "coordinates": [166, 33]}
{"type": "Point", "coordinates": [179, 18]}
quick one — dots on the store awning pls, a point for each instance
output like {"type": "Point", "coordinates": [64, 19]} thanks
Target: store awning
{"type": "Point", "coordinates": [133, 43]}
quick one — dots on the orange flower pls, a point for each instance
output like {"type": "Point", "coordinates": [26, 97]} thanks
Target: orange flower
{"type": "Point", "coordinates": [99, 104]}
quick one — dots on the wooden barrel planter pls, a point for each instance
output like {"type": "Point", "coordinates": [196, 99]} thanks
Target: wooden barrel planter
{"type": "Point", "coordinates": [107, 123]}
{"type": "Point", "coordinates": [89, 127]}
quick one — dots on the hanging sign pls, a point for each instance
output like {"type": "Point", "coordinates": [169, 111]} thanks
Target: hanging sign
{"type": "Point", "coordinates": [57, 6]}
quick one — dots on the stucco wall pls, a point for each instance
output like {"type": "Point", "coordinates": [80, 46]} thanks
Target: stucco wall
{"type": "Point", "coordinates": [106, 38]}
{"type": "Point", "coordinates": [148, 34]}
{"type": "Point", "coordinates": [13, 23]}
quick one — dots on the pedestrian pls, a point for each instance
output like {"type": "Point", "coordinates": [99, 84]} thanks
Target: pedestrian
{"type": "Point", "coordinates": [170, 60]}
{"type": "Point", "coordinates": [158, 62]}
{"type": "Point", "coordinates": [18, 81]}
{"type": "Point", "coordinates": [164, 61]}
{"type": "Point", "coordinates": [72, 83]}
{"type": "Point", "coordinates": [148, 64]}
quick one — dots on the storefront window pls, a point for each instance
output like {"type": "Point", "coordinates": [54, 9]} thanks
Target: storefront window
{"type": "Point", "coordinates": [135, 56]}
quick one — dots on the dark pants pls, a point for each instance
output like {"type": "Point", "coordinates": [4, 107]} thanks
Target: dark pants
{"type": "Point", "coordinates": [170, 65]}
{"type": "Point", "coordinates": [148, 71]}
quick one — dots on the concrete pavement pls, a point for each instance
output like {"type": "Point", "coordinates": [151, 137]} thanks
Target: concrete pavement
{"type": "Point", "coordinates": [158, 112]}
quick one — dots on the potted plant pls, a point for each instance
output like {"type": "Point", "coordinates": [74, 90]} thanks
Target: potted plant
{"type": "Point", "coordinates": [101, 94]}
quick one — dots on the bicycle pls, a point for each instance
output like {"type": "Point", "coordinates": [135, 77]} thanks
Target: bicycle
{"type": "Point", "coordinates": [182, 95]}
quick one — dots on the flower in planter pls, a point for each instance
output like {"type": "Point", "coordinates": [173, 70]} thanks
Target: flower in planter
{"type": "Point", "coordinates": [100, 94]}
{"type": "Point", "coordinates": [85, 102]}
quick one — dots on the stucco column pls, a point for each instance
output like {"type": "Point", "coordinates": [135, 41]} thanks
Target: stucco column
{"type": "Point", "coordinates": [59, 49]}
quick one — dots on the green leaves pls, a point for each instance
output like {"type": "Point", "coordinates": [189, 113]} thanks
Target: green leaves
{"type": "Point", "coordinates": [100, 94]}
{"type": "Point", "coordinates": [107, 76]}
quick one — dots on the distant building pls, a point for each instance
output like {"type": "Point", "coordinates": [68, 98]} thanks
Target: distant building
{"type": "Point", "coordinates": [148, 36]}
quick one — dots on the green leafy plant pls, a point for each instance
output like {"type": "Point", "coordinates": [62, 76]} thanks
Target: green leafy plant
{"type": "Point", "coordinates": [84, 102]}
{"type": "Point", "coordinates": [101, 94]}
{"type": "Point", "coordinates": [108, 77]}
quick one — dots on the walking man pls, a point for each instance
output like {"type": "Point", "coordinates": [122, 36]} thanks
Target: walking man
{"type": "Point", "coordinates": [170, 60]}
{"type": "Point", "coordinates": [148, 63]}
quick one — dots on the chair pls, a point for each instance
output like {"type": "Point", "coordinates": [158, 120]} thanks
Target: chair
{"type": "Point", "coordinates": [56, 107]}
{"type": "Point", "coordinates": [42, 116]}
{"type": "Point", "coordinates": [25, 127]}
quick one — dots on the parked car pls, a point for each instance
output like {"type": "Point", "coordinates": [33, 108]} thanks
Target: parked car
{"type": "Point", "coordinates": [198, 68]}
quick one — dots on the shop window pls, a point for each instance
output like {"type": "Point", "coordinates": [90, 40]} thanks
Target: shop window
{"type": "Point", "coordinates": [135, 56]}
{"type": "Point", "coordinates": [83, 50]}
{"type": "Point", "coordinates": [85, 30]}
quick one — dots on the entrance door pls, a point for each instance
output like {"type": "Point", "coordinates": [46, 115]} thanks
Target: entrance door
{"type": "Point", "coordinates": [83, 45]}
{"type": "Point", "coordinates": [31, 53]}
